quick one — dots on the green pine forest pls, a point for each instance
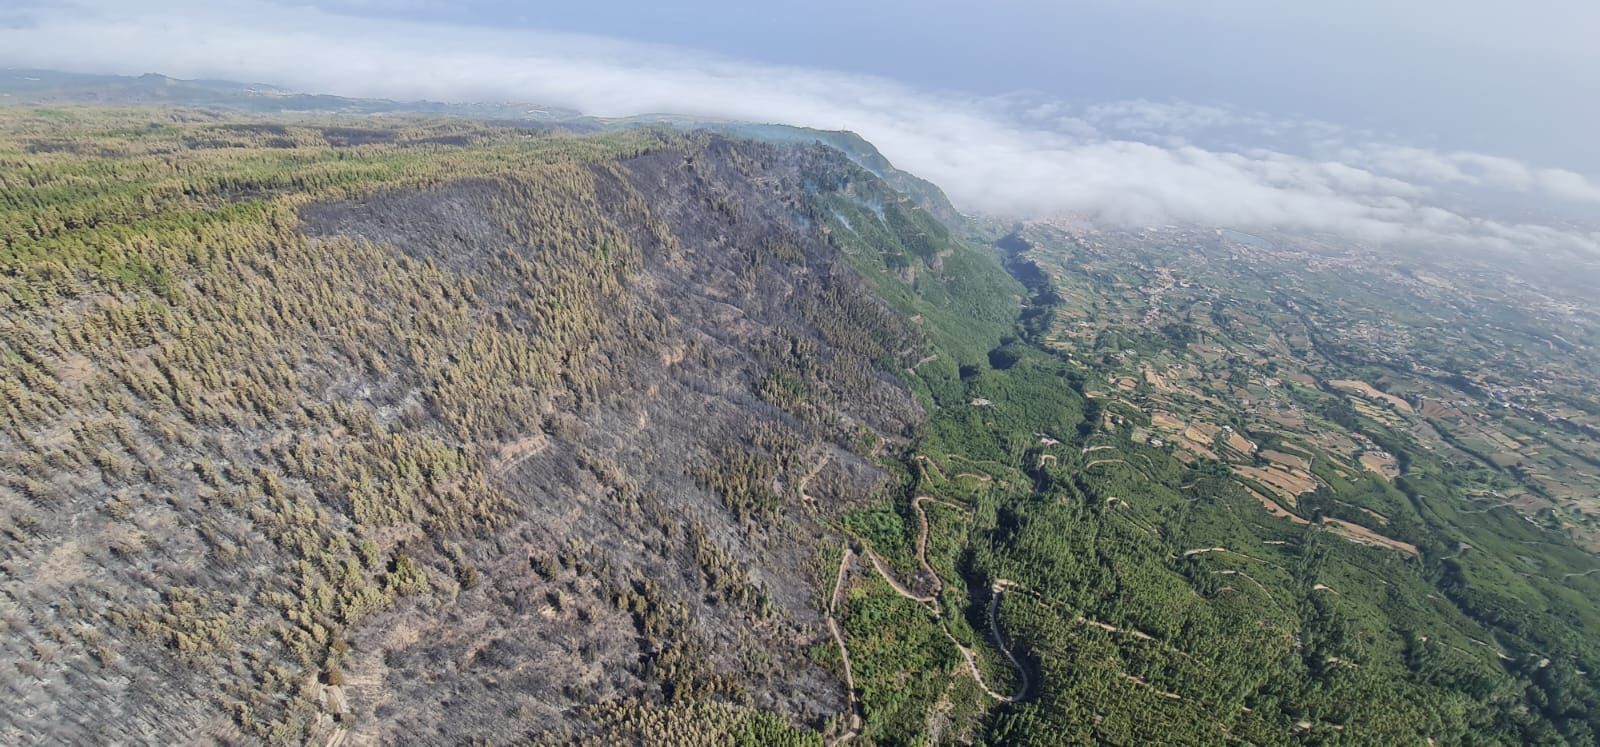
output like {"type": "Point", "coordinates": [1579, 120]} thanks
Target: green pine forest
{"type": "Point", "coordinates": [330, 421]}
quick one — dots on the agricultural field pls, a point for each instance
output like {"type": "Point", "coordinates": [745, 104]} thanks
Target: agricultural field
{"type": "Point", "coordinates": [1338, 354]}
{"type": "Point", "coordinates": [348, 430]}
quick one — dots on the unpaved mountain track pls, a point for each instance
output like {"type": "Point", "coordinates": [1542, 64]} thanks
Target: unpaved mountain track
{"type": "Point", "coordinates": [922, 544]}
{"type": "Point", "coordinates": [805, 480]}
{"type": "Point", "coordinates": [971, 658]}
{"type": "Point", "coordinates": [999, 588]}
{"type": "Point", "coordinates": [932, 467]}
{"type": "Point", "coordinates": [970, 460]}
{"type": "Point", "coordinates": [931, 602]}
{"type": "Point", "coordinates": [922, 537]}
{"type": "Point", "coordinates": [899, 588]}
{"type": "Point", "coordinates": [1107, 627]}
{"type": "Point", "coordinates": [853, 729]}
{"type": "Point", "coordinates": [854, 725]}
{"type": "Point", "coordinates": [997, 592]}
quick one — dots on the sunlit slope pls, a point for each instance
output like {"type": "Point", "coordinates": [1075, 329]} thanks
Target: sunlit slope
{"type": "Point", "coordinates": [411, 427]}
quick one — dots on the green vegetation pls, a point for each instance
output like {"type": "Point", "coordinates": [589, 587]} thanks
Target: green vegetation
{"type": "Point", "coordinates": [469, 432]}
{"type": "Point", "coordinates": [330, 364]}
{"type": "Point", "coordinates": [1167, 605]}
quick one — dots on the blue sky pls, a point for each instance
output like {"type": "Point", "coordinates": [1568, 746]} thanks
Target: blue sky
{"type": "Point", "coordinates": [1386, 121]}
{"type": "Point", "coordinates": [1513, 77]}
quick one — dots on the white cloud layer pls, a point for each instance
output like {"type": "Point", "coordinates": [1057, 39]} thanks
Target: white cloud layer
{"type": "Point", "coordinates": [1129, 163]}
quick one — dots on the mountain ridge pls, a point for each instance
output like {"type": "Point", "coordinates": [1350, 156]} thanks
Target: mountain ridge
{"type": "Point", "coordinates": [399, 458]}
{"type": "Point", "coordinates": [417, 427]}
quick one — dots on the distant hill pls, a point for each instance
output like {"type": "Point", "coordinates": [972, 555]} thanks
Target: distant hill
{"type": "Point", "coordinates": [342, 421]}
{"type": "Point", "coordinates": [47, 87]}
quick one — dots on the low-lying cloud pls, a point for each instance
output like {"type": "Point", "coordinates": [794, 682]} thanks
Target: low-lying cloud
{"type": "Point", "coordinates": [1133, 163]}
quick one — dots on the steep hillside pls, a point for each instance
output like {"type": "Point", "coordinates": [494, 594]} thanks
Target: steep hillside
{"type": "Point", "coordinates": [407, 430]}
{"type": "Point", "coordinates": [435, 430]}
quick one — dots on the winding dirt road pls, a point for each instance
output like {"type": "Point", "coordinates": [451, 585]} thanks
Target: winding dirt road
{"type": "Point", "coordinates": [1000, 586]}
{"type": "Point", "coordinates": [877, 564]}
{"type": "Point", "coordinates": [922, 536]}
{"type": "Point", "coordinates": [931, 602]}
{"type": "Point", "coordinates": [805, 480]}
{"type": "Point", "coordinates": [853, 729]}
